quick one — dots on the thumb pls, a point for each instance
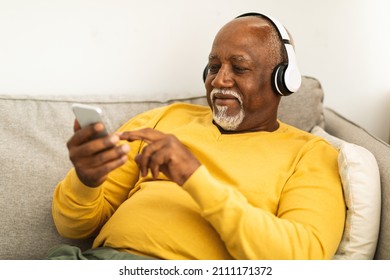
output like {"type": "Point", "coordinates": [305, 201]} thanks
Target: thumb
{"type": "Point", "coordinates": [76, 125]}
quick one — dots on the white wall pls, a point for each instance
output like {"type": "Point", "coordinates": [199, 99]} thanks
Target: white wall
{"type": "Point", "coordinates": [160, 47]}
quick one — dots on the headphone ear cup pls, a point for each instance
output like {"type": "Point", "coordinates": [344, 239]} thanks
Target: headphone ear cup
{"type": "Point", "coordinates": [278, 80]}
{"type": "Point", "coordinates": [205, 72]}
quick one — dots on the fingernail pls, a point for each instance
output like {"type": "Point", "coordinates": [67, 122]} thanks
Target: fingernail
{"type": "Point", "coordinates": [114, 139]}
{"type": "Point", "coordinates": [99, 127]}
{"type": "Point", "coordinates": [125, 148]}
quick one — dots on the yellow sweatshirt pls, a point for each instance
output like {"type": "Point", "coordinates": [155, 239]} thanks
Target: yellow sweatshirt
{"type": "Point", "coordinates": [257, 195]}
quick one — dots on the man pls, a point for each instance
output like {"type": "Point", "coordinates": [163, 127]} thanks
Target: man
{"type": "Point", "coordinates": [228, 181]}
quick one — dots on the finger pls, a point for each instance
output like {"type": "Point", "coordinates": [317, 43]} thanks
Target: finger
{"type": "Point", "coordinates": [93, 147]}
{"type": "Point", "coordinates": [144, 157]}
{"type": "Point", "coordinates": [94, 177]}
{"type": "Point", "coordinates": [76, 125]}
{"type": "Point", "coordinates": [156, 161]}
{"type": "Point", "coordinates": [85, 134]}
{"type": "Point", "coordinates": [109, 155]}
{"type": "Point", "coordinates": [147, 134]}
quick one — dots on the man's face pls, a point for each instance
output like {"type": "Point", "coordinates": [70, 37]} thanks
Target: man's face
{"type": "Point", "coordinates": [238, 84]}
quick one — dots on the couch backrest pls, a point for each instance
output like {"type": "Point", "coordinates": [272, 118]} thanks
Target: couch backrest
{"type": "Point", "coordinates": [34, 131]}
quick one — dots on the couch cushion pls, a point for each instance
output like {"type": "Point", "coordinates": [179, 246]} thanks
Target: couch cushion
{"type": "Point", "coordinates": [304, 108]}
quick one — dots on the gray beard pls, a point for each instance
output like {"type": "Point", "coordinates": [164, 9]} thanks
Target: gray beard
{"type": "Point", "coordinates": [229, 123]}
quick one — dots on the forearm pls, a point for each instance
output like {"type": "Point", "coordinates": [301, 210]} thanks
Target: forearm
{"type": "Point", "coordinates": [78, 211]}
{"type": "Point", "coordinates": [250, 232]}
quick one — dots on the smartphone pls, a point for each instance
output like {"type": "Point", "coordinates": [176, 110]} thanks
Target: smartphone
{"type": "Point", "coordinates": [87, 115]}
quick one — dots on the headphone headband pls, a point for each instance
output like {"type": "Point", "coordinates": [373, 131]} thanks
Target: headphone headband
{"type": "Point", "coordinates": [279, 27]}
{"type": "Point", "coordinates": [286, 77]}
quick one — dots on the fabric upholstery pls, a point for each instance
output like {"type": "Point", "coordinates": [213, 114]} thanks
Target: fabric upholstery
{"type": "Point", "coordinates": [304, 108]}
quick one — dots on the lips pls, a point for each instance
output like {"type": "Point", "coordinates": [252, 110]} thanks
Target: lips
{"type": "Point", "coordinates": [224, 99]}
{"type": "Point", "coordinates": [224, 96]}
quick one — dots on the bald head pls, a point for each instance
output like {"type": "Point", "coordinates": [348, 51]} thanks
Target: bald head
{"type": "Point", "coordinates": [262, 29]}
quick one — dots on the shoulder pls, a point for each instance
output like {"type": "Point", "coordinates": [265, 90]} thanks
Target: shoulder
{"type": "Point", "coordinates": [173, 112]}
{"type": "Point", "coordinates": [187, 108]}
{"type": "Point", "coordinates": [306, 140]}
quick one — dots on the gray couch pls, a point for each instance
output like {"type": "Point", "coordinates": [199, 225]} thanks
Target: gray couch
{"type": "Point", "coordinates": [34, 130]}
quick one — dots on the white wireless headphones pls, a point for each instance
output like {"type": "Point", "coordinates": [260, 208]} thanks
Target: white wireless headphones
{"type": "Point", "coordinates": [286, 77]}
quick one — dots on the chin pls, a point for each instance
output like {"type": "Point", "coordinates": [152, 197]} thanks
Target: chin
{"type": "Point", "coordinates": [225, 121]}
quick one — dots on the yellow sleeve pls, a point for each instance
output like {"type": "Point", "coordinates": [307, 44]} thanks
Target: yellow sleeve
{"type": "Point", "coordinates": [310, 218]}
{"type": "Point", "coordinates": [80, 211]}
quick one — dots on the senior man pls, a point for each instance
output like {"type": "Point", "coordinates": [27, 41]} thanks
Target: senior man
{"type": "Point", "coordinates": [227, 181]}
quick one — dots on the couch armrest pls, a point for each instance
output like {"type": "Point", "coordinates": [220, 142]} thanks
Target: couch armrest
{"type": "Point", "coordinates": [337, 125]}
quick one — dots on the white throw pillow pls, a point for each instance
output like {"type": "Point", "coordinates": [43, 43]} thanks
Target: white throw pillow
{"type": "Point", "coordinates": [359, 175]}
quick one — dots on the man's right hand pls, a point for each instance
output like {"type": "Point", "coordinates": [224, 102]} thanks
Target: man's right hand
{"type": "Point", "coordinates": [93, 158]}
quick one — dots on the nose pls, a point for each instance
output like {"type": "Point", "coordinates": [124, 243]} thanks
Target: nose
{"type": "Point", "coordinates": [223, 78]}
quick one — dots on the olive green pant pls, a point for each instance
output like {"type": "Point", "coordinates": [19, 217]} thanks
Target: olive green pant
{"type": "Point", "coordinates": [68, 252]}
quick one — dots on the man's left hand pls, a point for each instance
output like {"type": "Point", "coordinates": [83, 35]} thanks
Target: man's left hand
{"type": "Point", "coordinates": [164, 153]}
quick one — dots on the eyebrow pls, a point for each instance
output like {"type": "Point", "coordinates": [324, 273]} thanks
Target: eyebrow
{"type": "Point", "coordinates": [238, 58]}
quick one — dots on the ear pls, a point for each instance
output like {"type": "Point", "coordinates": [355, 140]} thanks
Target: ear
{"type": "Point", "coordinates": [205, 72]}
